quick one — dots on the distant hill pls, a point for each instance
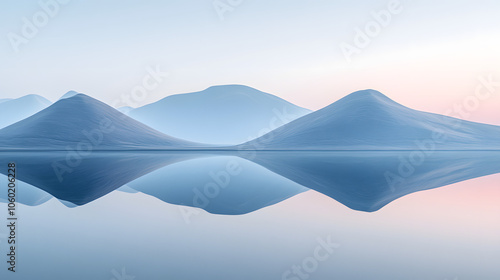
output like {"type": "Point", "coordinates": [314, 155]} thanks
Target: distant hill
{"type": "Point", "coordinates": [14, 110]}
{"type": "Point", "coordinates": [226, 115]}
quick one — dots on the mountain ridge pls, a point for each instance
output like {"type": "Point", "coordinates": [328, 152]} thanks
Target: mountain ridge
{"type": "Point", "coordinates": [80, 118]}
{"type": "Point", "coordinates": [369, 120]}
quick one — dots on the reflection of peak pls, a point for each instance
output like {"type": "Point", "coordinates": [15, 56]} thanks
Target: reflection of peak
{"type": "Point", "coordinates": [125, 109]}
{"type": "Point", "coordinates": [364, 102]}
{"type": "Point", "coordinates": [244, 193]}
{"type": "Point", "coordinates": [366, 94]}
{"type": "Point", "coordinates": [234, 91]}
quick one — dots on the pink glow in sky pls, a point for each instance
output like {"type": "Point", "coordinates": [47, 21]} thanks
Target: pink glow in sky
{"type": "Point", "coordinates": [428, 56]}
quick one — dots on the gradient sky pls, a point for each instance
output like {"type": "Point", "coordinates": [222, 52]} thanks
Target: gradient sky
{"type": "Point", "coordinates": [429, 57]}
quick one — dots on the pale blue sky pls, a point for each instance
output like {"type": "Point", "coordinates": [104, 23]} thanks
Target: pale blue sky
{"type": "Point", "coordinates": [287, 47]}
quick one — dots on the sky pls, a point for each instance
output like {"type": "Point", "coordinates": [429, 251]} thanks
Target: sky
{"type": "Point", "coordinates": [427, 55]}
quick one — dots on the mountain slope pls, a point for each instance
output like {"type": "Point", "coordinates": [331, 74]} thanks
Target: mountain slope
{"type": "Point", "coordinates": [369, 120]}
{"type": "Point", "coordinates": [84, 123]}
{"type": "Point", "coordinates": [125, 109]}
{"type": "Point", "coordinates": [230, 114]}
{"type": "Point", "coordinates": [369, 180]}
{"type": "Point", "coordinates": [14, 110]}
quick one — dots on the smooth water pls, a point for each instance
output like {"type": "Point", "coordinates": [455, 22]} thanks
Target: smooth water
{"type": "Point", "coordinates": [242, 182]}
{"type": "Point", "coordinates": [255, 215]}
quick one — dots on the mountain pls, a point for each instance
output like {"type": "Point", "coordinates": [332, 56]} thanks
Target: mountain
{"type": "Point", "coordinates": [227, 115]}
{"type": "Point", "coordinates": [4, 99]}
{"type": "Point", "coordinates": [14, 110]}
{"type": "Point", "coordinates": [79, 180]}
{"type": "Point", "coordinates": [368, 120]}
{"type": "Point", "coordinates": [125, 109]}
{"type": "Point", "coordinates": [369, 180]}
{"type": "Point", "coordinates": [83, 123]}
{"type": "Point", "coordinates": [176, 177]}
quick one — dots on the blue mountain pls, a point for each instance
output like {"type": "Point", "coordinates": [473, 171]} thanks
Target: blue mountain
{"type": "Point", "coordinates": [25, 193]}
{"type": "Point", "coordinates": [369, 180]}
{"type": "Point", "coordinates": [125, 109]}
{"type": "Point", "coordinates": [226, 115]}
